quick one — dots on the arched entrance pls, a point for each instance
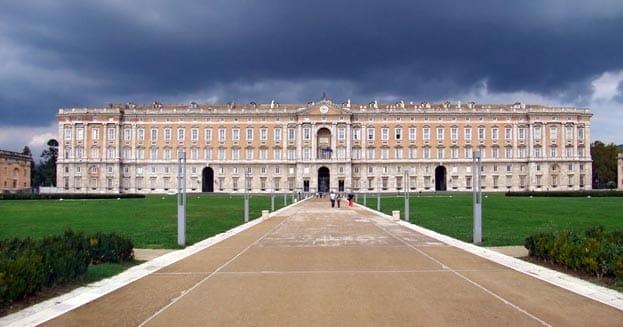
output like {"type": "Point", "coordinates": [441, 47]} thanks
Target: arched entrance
{"type": "Point", "coordinates": [324, 144]}
{"type": "Point", "coordinates": [207, 180]}
{"type": "Point", "coordinates": [323, 180]}
{"type": "Point", "coordinates": [440, 178]}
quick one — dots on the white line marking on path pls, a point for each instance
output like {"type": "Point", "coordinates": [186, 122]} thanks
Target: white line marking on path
{"type": "Point", "coordinates": [456, 272]}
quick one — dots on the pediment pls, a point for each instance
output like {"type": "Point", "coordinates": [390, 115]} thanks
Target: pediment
{"type": "Point", "coordinates": [324, 108]}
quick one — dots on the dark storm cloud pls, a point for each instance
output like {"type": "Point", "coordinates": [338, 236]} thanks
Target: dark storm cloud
{"type": "Point", "coordinates": [77, 53]}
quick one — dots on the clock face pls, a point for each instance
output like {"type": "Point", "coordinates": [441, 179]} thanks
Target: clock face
{"type": "Point", "coordinates": [324, 109]}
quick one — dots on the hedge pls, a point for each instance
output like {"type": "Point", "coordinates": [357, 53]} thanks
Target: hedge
{"type": "Point", "coordinates": [595, 252]}
{"type": "Point", "coordinates": [66, 196]}
{"type": "Point", "coordinates": [568, 194]}
{"type": "Point", "coordinates": [27, 266]}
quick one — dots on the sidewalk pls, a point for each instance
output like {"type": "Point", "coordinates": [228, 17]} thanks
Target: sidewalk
{"type": "Point", "coordinates": [311, 265]}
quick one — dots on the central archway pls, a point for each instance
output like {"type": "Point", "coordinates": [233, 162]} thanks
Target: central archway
{"type": "Point", "coordinates": [324, 180]}
{"type": "Point", "coordinates": [440, 178]}
{"type": "Point", "coordinates": [207, 180]}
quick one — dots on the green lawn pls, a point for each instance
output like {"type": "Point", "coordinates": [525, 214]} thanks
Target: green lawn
{"type": "Point", "coordinates": [506, 220]}
{"type": "Point", "coordinates": [150, 222]}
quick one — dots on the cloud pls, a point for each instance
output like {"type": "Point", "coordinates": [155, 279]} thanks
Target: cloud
{"type": "Point", "coordinates": [70, 53]}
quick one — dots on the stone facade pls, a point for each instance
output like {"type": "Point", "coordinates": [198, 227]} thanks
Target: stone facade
{"type": "Point", "coordinates": [14, 171]}
{"type": "Point", "coordinates": [322, 146]}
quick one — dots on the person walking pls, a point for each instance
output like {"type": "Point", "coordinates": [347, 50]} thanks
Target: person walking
{"type": "Point", "coordinates": [339, 199]}
{"type": "Point", "coordinates": [350, 199]}
{"type": "Point", "coordinates": [332, 198]}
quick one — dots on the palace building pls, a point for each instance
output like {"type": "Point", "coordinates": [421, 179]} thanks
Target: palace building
{"type": "Point", "coordinates": [322, 146]}
{"type": "Point", "coordinates": [14, 171]}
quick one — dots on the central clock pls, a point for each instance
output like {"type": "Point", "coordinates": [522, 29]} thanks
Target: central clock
{"type": "Point", "coordinates": [324, 109]}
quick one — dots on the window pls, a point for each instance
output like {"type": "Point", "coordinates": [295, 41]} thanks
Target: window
{"type": "Point", "coordinates": [277, 154]}
{"type": "Point", "coordinates": [508, 133]}
{"type": "Point", "coordinates": [495, 134]}
{"type": "Point", "coordinates": [235, 134]}
{"type": "Point", "coordinates": [412, 133]}
{"type": "Point", "coordinates": [277, 133]}
{"type": "Point", "coordinates": [263, 134]}
{"type": "Point", "coordinates": [468, 133]}
{"type": "Point", "coordinates": [356, 134]}
{"type": "Point", "coordinates": [207, 134]}
{"type": "Point", "coordinates": [291, 154]}
{"type": "Point", "coordinates": [481, 133]}
{"type": "Point", "coordinates": [569, 133]}
{"type": "Point", "coordinates": [384, 134]}
{"type": "Point", "coordinates": [79, 133]}
{"type": "Point", "coordinates": [306, 133]}
{"type": "Point", "coordinates": [67, 133]}
{"type": "Point", "coordinates": [398, 133]}
{"type": "Point", "coordinates": [79, 152]}
{"type": "Point", "coordinates": [495, 152]}
{"type": "Point", "coordinates": [154, 134]}
{"type": "Point", "coordinates": [249, 155]}
{"type": "Point", "coordinates": [140, 153]}
{"type": "Point", "coordinates": [95, 153]}
{"type": "Point", "coordinates": [553, 151]}
{"type": "Point", "coordinates": [291, 134]}
{"type": "Point", "coordinates": [235, 154]}
{"type": "Point", "coordinates": [167, 134]}
{"type": "Point", "coordinates": [370, 154]}
{"type": "Point", "coordinates": [537, 152]}
{"type": "Point", "coordinates": [398, 153]}
{"type": "Point", "coordinates": [221, 154]}
{"type": "Point", "coordinates": [249, 134]}
{"type": "Point", "coordinates": [153, 153]}
{"type": "Point", "coordinates": [553, 132]}
{"type": "Point", "coordinates": [426, 132]}
{"type": "Point", "coordinates": [508, 152]}
{"type": "Point", "coordinates": [306, 153]}
{"type": "Point", "coordinates": [412, 153]}
{"type": "Point", "coordinates": [341, 133]}
{"type": "Point", "coordinates": [385, 153]}
{"type": "Point", "coordinates": [580, 133]}
{"type": "Point", "coordinates": [127, 134]}
{"type": "Point", "coordinates": [370, 131]}
{"type": "Point", "coordinates": [207, 154]}
{"type": "Point", "coordinates": [263, 154]}
{"type": "Point", "coordinates": [440, 133]}
{"type": "Point", "coordinates": [167, 154]}
{"type": "Point", "coordinates": [440, 153]}
{"type": "Point", "coordinates": [454, 133]}
{"type": "Point", "coordinates": [426, 153]}
{"type": "Point", "coordinates": [468, 153]}
{"type": "Point", "coordinates": [537, 133]}
{"type": "Point", "coordinates": [221, 134]}
{"type": "Point", "coordinates": [356, 154]}
{"type": "Point", "coordinates": [522, 152]}
{"type": "Point", "coordinates": [569, 152]}
{"type": "Point", "coordinates": [95, 133]}
{"type": "Point", "coordinates": [194, 134]}
{"type": "Point", "coordinates": [454, 153]}
{"type": "Point", "coordinates": [140, 134]}
{"type": "Point", "coordinates": [521, 133]}
{"type": "Point", "coordinates": [111, 134]}
{"type": "Point", "coordinates": [110, 153]}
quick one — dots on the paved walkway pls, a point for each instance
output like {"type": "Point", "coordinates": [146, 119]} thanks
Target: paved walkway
{"type": "Point", "coordinates": [311, 265]}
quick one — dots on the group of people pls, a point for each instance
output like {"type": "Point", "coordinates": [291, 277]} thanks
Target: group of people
{"type": "Point", "coordinates": [336, 197]}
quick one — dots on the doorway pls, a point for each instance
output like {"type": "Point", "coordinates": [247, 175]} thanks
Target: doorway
{"type": "Point", "coordinates": [323, 180]}
{"type": "Point", "coordinates": [207, 180]}
{"type": "Point", "coordinates": [440, 178]}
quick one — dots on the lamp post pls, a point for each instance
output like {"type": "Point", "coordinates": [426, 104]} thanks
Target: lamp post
{"type": "Point", "coordinates": [378, 194]}
{"type": "Point", "coordinates": [181, 198]}
{"type": "Point", "coordinates": [406, 186]}
{"type": "Point", "coordinates": [246, 196]}
{"type": "Point", "coordinates": [477, 197]}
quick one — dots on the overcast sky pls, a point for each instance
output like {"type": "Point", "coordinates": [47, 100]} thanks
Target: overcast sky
{"type": "Point", "coordinates": [66, 53]}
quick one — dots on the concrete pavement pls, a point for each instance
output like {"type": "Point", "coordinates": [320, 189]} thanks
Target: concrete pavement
{"type": "Point", "coordinates": [312, 265]}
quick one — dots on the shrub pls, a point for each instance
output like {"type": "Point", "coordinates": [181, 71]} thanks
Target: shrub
{"type": "Point", "coordinates": [595, 252]}
{"type": "Point", "coordinates": [64, 257]}
{"type": "Point", "coordinates": [20, 276]}
{"type": "Point", "coordinates": [111, 247]}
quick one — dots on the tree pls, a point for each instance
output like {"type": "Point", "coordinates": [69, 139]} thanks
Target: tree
{"type": "Point", "coordinates": [604, 164]}
{"type": "Point", "coordinates": [33, 170]}
{"type": "Point", "coordinates": [47, 166]}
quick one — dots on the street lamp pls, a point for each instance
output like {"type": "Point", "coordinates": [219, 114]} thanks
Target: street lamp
{"type": "Point", "coordinates": [406, 186]}
{"type": "Point", "coordinates": [181, 198]}
{"type": "Point", "coordinates": [246, 196]}
{"type": "Point", "coordinates": [477, 197]}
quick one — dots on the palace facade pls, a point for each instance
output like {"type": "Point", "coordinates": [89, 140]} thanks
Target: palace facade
{"type": "Point", "coordinates": [14, 171]}
{"type": "Point", "coordinates": [322, 146]}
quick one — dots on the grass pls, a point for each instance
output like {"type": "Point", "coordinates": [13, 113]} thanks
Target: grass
{"type": "Point", "coordinates": [506, 220]}
{"type": "Point", "coordinates": [150, 222]}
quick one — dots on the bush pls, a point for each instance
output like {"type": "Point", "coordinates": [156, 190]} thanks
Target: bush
{"type": "Point", "coordinates": [28, 265]}
{"type": "Point", "coordinates": [74, 196]}
{"type": "Point", "coordinates": [64, 257]}
{"type": "Point", "coordinates": [567, 193]}
{"type": "Point", "coordinates": [596, 252]}
{"type": "Point", "coordinates": [111, 248]}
